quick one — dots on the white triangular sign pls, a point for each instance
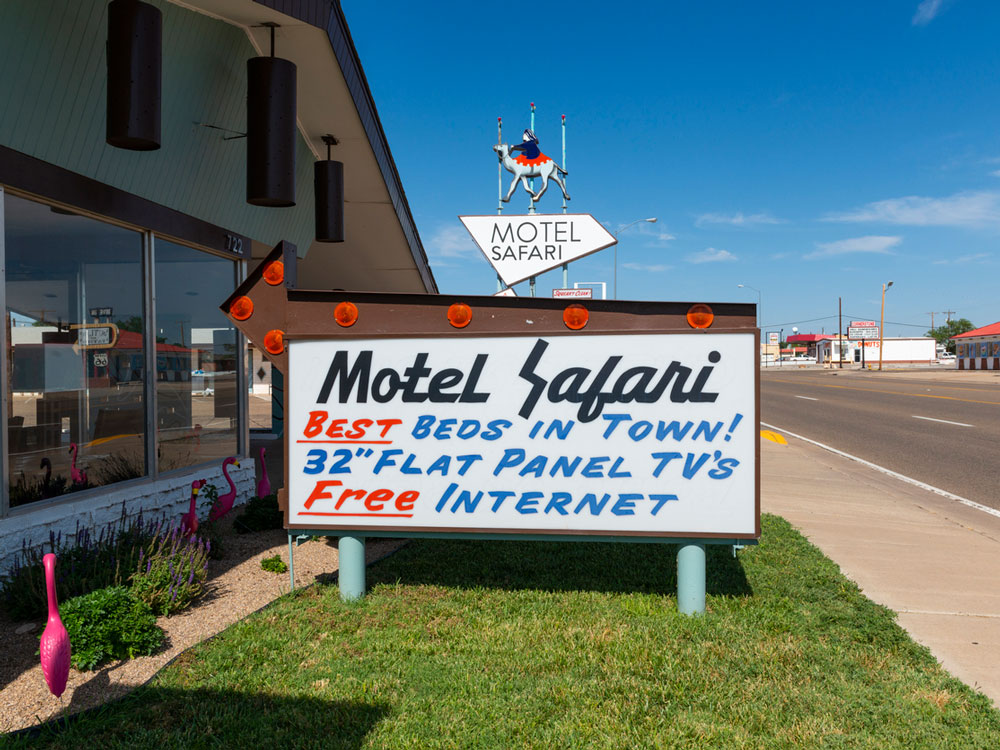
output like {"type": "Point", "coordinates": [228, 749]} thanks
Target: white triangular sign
{"type": "Point", "coordinates": [520, 246]}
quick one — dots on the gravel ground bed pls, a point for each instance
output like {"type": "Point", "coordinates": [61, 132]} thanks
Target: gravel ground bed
{"type": "Point", "coordinates": [237, 586]}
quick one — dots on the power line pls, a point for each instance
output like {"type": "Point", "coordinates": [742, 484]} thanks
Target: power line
{"type": "Point", "coordinates": [796, 322]}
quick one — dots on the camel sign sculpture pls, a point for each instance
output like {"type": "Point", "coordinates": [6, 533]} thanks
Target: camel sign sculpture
{"type": "Point", "coordinates": [524, 168]}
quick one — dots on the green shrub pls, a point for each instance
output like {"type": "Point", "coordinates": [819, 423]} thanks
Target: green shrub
{"type": "Point", "coordinates": [171, 571]}
{"type": "Point", "coordinates": [109, 623]}
{"type": "Point", "coordinates": [260, 514]}
{"type": "Point", "coordinates": [88, 560]}
{"type": "Point", "coordinates": [209, 530]}
{"type": "Point", "coordinates": [273, 565]}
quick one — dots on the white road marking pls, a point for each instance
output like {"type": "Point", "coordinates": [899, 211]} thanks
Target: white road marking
{"type": "Point", "coordinates": [943, 421]}
{"type": "Point", "coordinates": [808, 398]}
{"type": "Point", "coordinates": [891, 473]}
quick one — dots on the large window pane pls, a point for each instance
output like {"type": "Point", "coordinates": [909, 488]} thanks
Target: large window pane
{"type": "Point", "coordinates": [75, 395]}
{"type": "Point", "coordinates": [195, 357]}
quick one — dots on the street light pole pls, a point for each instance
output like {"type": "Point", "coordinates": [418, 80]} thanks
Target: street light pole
{"type": "Point", "coordinates": [651, 220]}
{"type": "Point", "coordinates": [760, 310]}
{"type": "Point", "coordinates": [881, 326]}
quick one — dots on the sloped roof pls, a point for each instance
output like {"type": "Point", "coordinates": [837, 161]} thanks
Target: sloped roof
{"type": "Point", "coordinates": [990, 330]}
{"type": "Point", "coordinates": [808, 338]}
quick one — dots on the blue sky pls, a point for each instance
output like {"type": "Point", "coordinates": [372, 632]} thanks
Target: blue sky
{"type": "Point", "coordinates": [808, 149]}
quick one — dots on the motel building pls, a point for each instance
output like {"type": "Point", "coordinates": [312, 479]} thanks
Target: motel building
{"type": "Point", "coordinates": [978, 349]}
{"type": "Point", "coordinates": [150, 154]}
{"type": "Point", "coordinates": [826, 348]}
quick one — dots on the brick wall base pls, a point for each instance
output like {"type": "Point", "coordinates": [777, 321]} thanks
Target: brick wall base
{"type": "Point", "coordinates": [169, 496]}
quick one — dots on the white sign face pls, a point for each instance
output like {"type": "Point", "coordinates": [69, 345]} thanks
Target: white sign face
{"type": "Point", "coordinates": [524, 245]}
{"type": "Point", "coordinates": [862, 324]}
{"type": "Point", "coordinates": [772, 338]}
{"type": "Point", "coordinates": [584, 293]}
{"type": "Point", "coordinates": [641, 434]}
{"type": "Point", "coordinates": [862, 332]}
{"type": "Point", "coordinates": [508, 292]}
{"type": "Point", "coordinates": [99, 336]}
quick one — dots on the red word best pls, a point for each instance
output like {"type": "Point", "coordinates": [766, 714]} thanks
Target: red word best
{"type": "Point", "coordinates": [339, 428]}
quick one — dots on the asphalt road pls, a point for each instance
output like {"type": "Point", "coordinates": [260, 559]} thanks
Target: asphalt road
{"type": "Point", "coordinates": [946, 434]}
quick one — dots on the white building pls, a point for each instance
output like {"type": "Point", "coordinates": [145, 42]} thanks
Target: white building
{"type": "Point", "coordinates": [896, 351]}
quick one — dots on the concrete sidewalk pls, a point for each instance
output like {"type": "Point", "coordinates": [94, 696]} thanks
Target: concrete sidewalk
{"type": "Point", "coordinates": [931, 559]}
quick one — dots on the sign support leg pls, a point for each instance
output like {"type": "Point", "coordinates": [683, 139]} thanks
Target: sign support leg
{"type": "Point", "coordinates": [291, 561]}
{"type": "Point", "coordinates": [351, 550]}
{"type": "Point", "coordinates": [691, 579]}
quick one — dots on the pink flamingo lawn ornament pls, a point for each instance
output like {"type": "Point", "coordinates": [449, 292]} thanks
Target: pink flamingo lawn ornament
{"type": "Point", "coordinates": [225, 502]}
{"type": "Point", "coordinates": [264, 485]}
{"type": "Point", "coordinates": [189, 520]}
{"type": "Point", "coordinates": [78, 477]}
{"type": "Point", "coordinates": [46, 489]}
{"type": "Point", "coordinates": [54, 647]}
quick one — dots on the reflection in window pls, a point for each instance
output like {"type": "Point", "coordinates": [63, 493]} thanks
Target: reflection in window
{"type": "Point", "coordinates": [195, 357]}
{"type": "Point", "coordinates": [74, 315]}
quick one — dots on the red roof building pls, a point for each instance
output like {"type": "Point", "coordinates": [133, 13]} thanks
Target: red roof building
{"type": "Point", "coordinates": [978, 349]}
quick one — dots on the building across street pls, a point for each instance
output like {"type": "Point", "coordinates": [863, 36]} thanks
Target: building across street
{"type": "Point", "coordinates": [978, 349]}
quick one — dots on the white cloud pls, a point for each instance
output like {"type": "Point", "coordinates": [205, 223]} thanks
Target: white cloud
{"type": "Point", "coordinates": [649, 268]}
{"type": "Point", "coordinates": [652, 234]}
{"type": "Point", "coordinates": [711, 255]}
{"type": "Point", "coordinates": [926, 11]}
{"type": "Point", "coordinates": [963, 259]}
{"type": "Point", "coordinates": [739, 219]}
{"type": "Point", "coordinates": [451, 243]}
{"type": "Point", "coordinates": [967, 209]}
{"type": "Point", "coordinates": [869, 244]}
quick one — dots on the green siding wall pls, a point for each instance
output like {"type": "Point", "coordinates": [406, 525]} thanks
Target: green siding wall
{"type": "Point", "coordinates": [52, 104]}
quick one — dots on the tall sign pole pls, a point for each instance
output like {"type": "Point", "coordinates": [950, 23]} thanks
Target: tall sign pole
{"type": "Point", "coordinates": [531, 201]}
{"type": "Point", "coordinates": [566, 265]}
{"type": "Point", "coordinates": [531, 182]}
{"type": "Point", "coordinates": [499, 169]}
{"type": "Point", "coordinates": [499, 186]}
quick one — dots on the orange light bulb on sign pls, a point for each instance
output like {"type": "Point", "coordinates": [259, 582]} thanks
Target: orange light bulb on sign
{"type": "Point", "coordinates": [241, 308]}
{"type": "Point", "coordinates": [274, 341]}
{"type": "Point", "coordinates": [700, 316]}
{"type": "Point", "coordinates": [346, 314]}
{"type": "Point", "coordinates": [459, 315]}
{"type": "Point", "coordinates": [575, 317]}
{"type": "Point", "coordinates": [274, 274]}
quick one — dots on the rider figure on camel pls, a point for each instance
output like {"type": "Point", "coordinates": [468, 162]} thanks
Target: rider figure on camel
{"type": "Point", "coordinates": [529, 146]}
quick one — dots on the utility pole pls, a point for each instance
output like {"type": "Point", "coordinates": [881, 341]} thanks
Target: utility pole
{"type": "Point", "coordinates": [932, 319]}
{"type": "Point", "coordinates": [840, 331]}
{"type": "Point", "coordinates": [949, 313]}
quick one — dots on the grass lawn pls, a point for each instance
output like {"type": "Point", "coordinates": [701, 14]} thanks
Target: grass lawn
{"type": "Point", "coordinates": [543, 645]}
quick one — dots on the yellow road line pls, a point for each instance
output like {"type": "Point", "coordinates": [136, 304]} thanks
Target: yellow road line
{"type": "Point", "coordinates": [889, 393]}
{"type": "Point", "coordinates": [774, 437]}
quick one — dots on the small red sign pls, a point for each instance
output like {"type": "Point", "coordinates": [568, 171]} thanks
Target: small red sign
{"type": "Point", "coordinates": [583, 293]}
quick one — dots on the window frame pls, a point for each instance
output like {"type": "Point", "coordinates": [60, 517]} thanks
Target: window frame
{"type": "Point", "coordinates": [166, 224]}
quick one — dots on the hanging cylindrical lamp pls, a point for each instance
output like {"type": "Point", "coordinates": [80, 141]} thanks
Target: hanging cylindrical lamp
{"type": "Point", "coordinates": [328, 189]}
{"type": "Point", "coordinates": [270, 130]}
{"type": "Point", "coordinates": [135, 45]}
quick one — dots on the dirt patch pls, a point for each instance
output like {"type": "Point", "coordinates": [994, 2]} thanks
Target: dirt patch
{"type": "Point", "coordinates": [237, 587]}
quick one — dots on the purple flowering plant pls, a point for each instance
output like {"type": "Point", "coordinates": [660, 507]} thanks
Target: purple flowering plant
{"type": "Point", "coordinates": [172, 571]}
{"type": "Point", "coordinates": [89, 559]}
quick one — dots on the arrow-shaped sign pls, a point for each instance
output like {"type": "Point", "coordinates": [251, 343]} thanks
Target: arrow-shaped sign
{"type": "Point", "coordinates": [524, 245]}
